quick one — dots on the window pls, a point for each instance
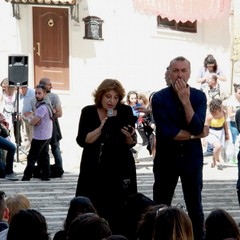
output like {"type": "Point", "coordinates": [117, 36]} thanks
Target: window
{"type": "Point", "coordinates": [180, 26]}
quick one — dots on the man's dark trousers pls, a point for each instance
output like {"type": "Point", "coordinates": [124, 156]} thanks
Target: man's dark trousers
{"type": "Point", "coordinates": [164, 187]}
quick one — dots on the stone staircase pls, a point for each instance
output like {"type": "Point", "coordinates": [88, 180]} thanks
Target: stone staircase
{"type": "Point", "coordinates": [52, 198]}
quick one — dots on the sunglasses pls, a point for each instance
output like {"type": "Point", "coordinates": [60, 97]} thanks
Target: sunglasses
{"type": "Point", "coordinates": [211, 66]}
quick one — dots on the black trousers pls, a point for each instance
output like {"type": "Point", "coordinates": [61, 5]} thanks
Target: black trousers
{"type": "Point", "coordinates": [238, 181]}
{"type": "Point", "coordinates": [164, 186]}
{"type": "Point", "coordinates": [38, 153]}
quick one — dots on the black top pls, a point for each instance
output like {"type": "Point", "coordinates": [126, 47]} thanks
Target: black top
{"type": "Point", "coordinates": [107, 171]}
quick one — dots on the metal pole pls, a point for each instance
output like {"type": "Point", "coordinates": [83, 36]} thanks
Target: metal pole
{"type": "Point", "coordinates": [17, 125]}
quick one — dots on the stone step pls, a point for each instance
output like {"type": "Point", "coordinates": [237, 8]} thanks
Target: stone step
{"type": "Point", "coordinates": [52, 198]}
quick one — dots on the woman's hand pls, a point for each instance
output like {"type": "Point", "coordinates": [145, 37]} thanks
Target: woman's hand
{"type": "Point", "coordinates": [143, 110]}
{"type": "Point", "coordinates": [102, 123]}
{"type": "Point", "coordinates": [130, 133]}
{"type": "Point", "coordinates": [95, 134]}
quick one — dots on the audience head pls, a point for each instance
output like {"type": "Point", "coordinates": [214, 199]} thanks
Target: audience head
{"type": "Point", "coordinates": [215, 106]}
{"type": "Point", "coordinates": [16, 203]}
{"type": "Point", "coordinates": [28, 224]}
{"type": "Point", "coordinates": [106, 86]}
{"type": "Point", "coordinates": [40, 92]}
{"type": "Point", "coordinates": [136, 206]}
{"type": "Point", "coordinates": [167, 78]}
{"type": "Point", "coordinates": [236, 87]}
{"type": "Point", "coordinates": [78, 205]}
{"type": "Point", "coordinates": [47, 83]}
{"type": "Point", "coordinates": [142, 99]}
{"type": "Point", "coordinates": [210, 63]}
{"type": "Point", "coordinates": [4, 211]}
{"type": "Point", "coordinates": [9, 90]}
{"type": "Point", "coordinates": [212, 80]}
{"type": "Point", "coordinates": [220, 225]}
{"type": "Point", "coordinates": [150, 98]}
{"type": "Point", "coordinates": [23, 90]}
{"type": "Point", "coordinates": [89, 226]}
{"type": "Point", "coordinates": [4, 84]}
{"type": "Point", "coordinates": [172, 223]}
{"type": "Point", "coordinates": [132, 98]}
{"type": "Point", "coordinates": [146, 224]}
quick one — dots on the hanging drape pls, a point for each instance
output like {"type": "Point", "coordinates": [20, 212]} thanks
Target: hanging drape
{"type": "Point", "coordinates": [184, 10]}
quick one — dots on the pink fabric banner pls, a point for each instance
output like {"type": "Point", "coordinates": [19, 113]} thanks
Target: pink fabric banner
{"type": "Point", "coordinates": [53, 2]}
{"type": "Point", "coordinates": [184, 10]}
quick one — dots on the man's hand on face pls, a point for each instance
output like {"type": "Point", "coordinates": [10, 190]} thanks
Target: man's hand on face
{"type": "Point", "coordinates": [182, 89]}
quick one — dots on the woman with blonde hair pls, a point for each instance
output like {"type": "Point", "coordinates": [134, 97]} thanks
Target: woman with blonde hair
{"type": "Point", "coordinates": [7, 105]}
{"type": "Point", "coordinates": [172, 223]}
{"type": "Point", "coordinates": [15, 203]}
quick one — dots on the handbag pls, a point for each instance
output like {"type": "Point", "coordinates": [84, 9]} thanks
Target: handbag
{"type": "Point", "coordinates": [4, 132]}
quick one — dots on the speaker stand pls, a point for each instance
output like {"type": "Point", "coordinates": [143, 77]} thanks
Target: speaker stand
{"type": "Point", "coordinates": [18, 125]}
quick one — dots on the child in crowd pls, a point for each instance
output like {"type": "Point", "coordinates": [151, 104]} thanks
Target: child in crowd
{"type": "Point", "coordinates": [218, 132]}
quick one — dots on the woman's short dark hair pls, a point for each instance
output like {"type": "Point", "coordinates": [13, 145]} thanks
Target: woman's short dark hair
{"type": "Point", "coordinates": [105, 86]}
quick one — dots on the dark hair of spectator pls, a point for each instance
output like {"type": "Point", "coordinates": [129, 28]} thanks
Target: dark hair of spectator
{"type": "Point", "coordinates": [28, 224]}
{"type": "Point", "coordinates": [220, 225]}
{"type": "Point", "coordinates": [210, 60]}
{"type": "Point", "coordinates": [89, 226]}
{"type": "Point", "coordinates": [41, 87]}
{"type": "Point", "coordinates": [78, 205]}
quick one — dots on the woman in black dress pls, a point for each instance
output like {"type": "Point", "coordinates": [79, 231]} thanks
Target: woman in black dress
{"type": "Point", "coordinates": [107, 172]}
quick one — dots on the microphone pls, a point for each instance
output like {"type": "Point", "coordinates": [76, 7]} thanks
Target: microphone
{"type": "Point", "coordinates": [108, 125]}
{"type": "Point", "coordinates": [110, 112]}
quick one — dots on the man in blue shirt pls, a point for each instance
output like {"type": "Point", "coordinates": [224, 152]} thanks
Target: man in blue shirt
{"type": "Point", "coordinates": [179, 112]}
{"type": "Point", "coordinates": [27, 96]}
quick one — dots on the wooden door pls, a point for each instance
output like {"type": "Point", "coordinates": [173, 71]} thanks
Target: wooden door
{"type": "Point", "coordinates": [51, 46]}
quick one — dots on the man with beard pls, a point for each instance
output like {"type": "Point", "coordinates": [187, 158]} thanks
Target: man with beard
{"type": "Point", "coordinates": [57, 168]}
{"type": "Point", "coordinates": [42, 133]}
